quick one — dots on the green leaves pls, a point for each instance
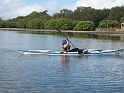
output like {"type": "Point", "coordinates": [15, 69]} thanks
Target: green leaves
{"type": "Point", "coordinates": [50, 24]}
{"type": "Point", "coordinates": [36, 24]}
{"type": "Point", "coordinates": [22, 23]}
{"type": "Point", "coordinates": [82, 18]}
{"type": "Point", "coordinates": [85, 26]}
{"type": "Point", "coordinates": [61, 23]}
{"type": "Point", "coordinates": [4, 24]}
{"type": "Point", "coordinates": [108, 24]}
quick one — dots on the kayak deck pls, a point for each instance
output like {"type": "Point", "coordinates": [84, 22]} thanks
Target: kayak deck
{"type": "Point", "coordinates": [88, 52]}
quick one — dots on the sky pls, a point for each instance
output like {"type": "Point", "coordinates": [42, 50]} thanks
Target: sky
{"type": "Point", "coordinates": [14, 8]}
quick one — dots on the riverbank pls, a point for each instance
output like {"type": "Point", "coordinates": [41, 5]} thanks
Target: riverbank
{"type": "Point", "coordinates": [112, 33]}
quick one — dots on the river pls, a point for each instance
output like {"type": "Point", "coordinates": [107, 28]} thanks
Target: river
{"type": "Point", "coordinates": [58, 74]}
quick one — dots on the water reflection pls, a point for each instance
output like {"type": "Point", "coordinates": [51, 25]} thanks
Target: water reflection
{"type": "Point", "coordinates": [80, 35]}
{"type": "Point", "coordinates": [58, 74]}
{"type": "Point", "coordinates": [64, 59]}
{"type": "Point", "coordinates": [64, 62]}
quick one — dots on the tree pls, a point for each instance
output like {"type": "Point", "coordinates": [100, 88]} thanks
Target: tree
{"type": "Point", "coordinates": [36, 24]}
{"type": "Point", "coordinates": [122, 19]}
{"type": "Point", "coordinates": [38, 15]}
{"type": "Point", "coordinates": [50, 24]}
{"type": "Point", "coordinates": [85, 26]}
{"type": "Point", "coordinates": [64, 24]}
{"type": "Point", "coordinates": [13, 24]}
{"type": "Point", "coordinates": [22, 23]}
{"type": "Point", "coordinates": [61, 23]}
{"type": "Point", "coordinates": [109, 23]}
{"type": "Point", "coordinates": [116, 13]}
{"type": "Point", "coordinates": [64, 13]}
{"type": "Point", "coordinates": [4, 24]}
{"type": "Point", "coordinates": [79, 14]}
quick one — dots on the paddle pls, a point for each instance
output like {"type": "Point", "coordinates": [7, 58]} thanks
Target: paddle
{"type": "Point", "coordinates": [79, 50]}
{"type": "Point", "coordinates": [66, 37]}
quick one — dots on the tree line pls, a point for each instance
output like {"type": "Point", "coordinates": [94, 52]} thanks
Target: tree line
{"type": "Point", "coordinates": [83, 18]}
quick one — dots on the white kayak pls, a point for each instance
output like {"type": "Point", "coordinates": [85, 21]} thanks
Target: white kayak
{"type": "Point", "coordinates": [84, 52]}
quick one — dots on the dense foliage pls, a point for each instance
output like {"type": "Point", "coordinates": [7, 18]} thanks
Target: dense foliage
{"type": "Point", "coordinates": [36, 24]}
{"type": "Point", "coordinates": [83, 18]}
{"type": "Point", "coordinates": [108, 24]}
{"type": "Point", "coordinates": [84, 26]}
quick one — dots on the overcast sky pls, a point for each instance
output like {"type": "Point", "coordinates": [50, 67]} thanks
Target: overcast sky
{"type": "Point", "coordinates": [14, 8]}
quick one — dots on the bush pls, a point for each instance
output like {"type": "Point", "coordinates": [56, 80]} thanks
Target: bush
{"type": "Point", "coordinates": [4, 24]}
{"type": "Point", "coordinates": [50, 24]}
{"type": "Point", "coordinates": [61, 23]}
{"type": "Point", "coordinates": [84, 26]}
{"type": "Point", "coordinates": [109, 24]}
{"type": "Point", "coordinates": [36, 24]}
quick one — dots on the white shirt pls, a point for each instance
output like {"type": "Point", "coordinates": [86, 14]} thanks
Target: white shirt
{"type": "Point", "coordinates": [65, 45]}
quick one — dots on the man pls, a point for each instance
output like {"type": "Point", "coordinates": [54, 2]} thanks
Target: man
{"type": "Point", "coordinates": [66, 48]}
{"type": "Point", "coordinates": [65, 45]}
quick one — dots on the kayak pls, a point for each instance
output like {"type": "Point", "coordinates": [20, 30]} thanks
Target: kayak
{"type": "Point", "coordinates": [85, 52]}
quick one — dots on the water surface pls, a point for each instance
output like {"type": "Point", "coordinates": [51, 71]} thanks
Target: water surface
{"type": "Point", "coordinates": [58, 74]}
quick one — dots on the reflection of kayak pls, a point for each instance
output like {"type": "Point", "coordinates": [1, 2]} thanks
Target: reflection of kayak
{"type": "Point", "coordinates": [86, 52]}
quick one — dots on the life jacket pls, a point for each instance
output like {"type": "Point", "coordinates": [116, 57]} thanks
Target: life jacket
{"type": "Point", "coordinates": [65, 49]}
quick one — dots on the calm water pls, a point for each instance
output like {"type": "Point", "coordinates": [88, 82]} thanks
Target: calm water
{"type": "Point", "coordinates": [58, 74]}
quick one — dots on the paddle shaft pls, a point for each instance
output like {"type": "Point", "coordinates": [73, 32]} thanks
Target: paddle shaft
{"type": "Point", "coordinates": [66, 37]}
{"type": "Point", "coordinates": [79, 50]}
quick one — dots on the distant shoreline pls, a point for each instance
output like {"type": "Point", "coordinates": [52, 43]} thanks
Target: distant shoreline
{"type": "Point", "coordinates": [113, 33]}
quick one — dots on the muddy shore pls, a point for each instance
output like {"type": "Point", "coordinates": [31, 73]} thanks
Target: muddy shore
{"type": "Point", "coordinates": [112, 33]}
